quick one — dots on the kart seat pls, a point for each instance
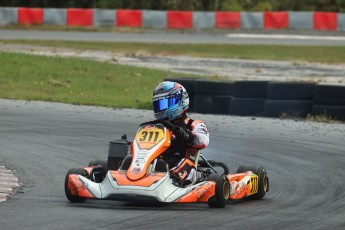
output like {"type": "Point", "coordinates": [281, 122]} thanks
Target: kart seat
{"type": "Point", "coordinates": [161, 166]}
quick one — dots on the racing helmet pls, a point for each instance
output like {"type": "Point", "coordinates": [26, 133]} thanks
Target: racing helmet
{"type": "Point", "coordinates": [170, 100]}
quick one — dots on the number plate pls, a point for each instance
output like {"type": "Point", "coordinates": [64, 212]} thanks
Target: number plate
{"type": "Point", "coordinates": [254, 180]}
{"type": "Point", "coordinates": [149, 136]}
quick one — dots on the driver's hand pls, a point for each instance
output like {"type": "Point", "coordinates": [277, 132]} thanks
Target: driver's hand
{"type": "Point", "coordinates": [183, 134]}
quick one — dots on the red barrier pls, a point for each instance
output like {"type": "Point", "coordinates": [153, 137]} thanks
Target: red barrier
{"type": "Point", "coordinates": [228, 20]}
{"type": "Point", "coordinates": [180, 20]}
{"type": "Point", "coordinates": [79, 17]}
{"type": "Point", "coordinates": [129, 18]}
{"type": "Point", "coordinates": [276, 20]}
{"type": "Point", "coordinates": [30, 16]}
{"type": "Point", "coordinates": [325, 21]}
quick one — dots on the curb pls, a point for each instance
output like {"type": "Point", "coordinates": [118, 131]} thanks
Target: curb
{"type": "Point", "coordinates": [7, 183]}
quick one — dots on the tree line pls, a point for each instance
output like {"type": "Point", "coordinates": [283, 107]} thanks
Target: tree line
{"type": "Point", "coordinates": [193, 5]}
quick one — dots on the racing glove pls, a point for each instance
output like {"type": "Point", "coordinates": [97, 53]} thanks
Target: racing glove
{"type": "Point", "coordinates": [184, 135]}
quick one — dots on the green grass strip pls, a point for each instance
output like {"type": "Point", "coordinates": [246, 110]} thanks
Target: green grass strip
{"type": "Point", "coordinates": [325, 54]}
{"type": "Point", "coordinates": [77, 81]}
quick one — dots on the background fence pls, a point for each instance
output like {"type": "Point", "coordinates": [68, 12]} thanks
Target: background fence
{"type": "Point", "coordinates": [173, 19]}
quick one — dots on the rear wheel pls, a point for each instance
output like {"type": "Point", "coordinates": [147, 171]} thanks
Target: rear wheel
{"type": "Point", "coordinates": [70, 197]}
{"type": "Point", "coordinates": [215, 164]}
{"type": "Point", "coordinates": [222, 194]}
{"type": "Point", "coordinates": [263, 186]}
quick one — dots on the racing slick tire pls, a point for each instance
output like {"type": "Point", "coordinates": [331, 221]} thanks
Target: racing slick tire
{"type": "Point", "coordinates": [102, 163]}
{"type": "Point", "coordinates": [70, 197]}
{"type": "Point", "coordinates": [222, 191]}
{"type": "Point", "coordinates": [213, 163]}
{"type": "Point", "coordinates": [263, 186]}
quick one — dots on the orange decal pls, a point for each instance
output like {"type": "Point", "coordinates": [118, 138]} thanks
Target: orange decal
{"type": "Point", "coordinates": [135, 172]}
{"type": "Point", "coordinates": [122, 180]}
{"type": "Point", "coordinates": [240, 189]}
{"type": "Point", "coordinates": [237, 176]}
{"type": "Point", "coordinates": [200, 193]}
{"type": "Point", "coordinates": [77, 187]}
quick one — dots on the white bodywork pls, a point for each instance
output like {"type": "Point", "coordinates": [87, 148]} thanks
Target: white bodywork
{"type": "Point", "coordinates": [162, 191]}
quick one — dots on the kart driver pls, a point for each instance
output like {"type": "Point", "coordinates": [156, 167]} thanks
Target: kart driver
{"type": "Point", "coordinates": [170, 102]}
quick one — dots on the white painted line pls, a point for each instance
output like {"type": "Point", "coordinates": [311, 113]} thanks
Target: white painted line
{"type": "Point", "coordinates": [287, 36]}
{"type": "Point", "coordinates": [8, 185]}
{"type": "Point", "coordinates": [3, 195]}
{"type": "Point", "coordinates": [9, 177]}
{"type": "Point", "coordinates": [6, 180]}
{"type": "Point", "coordinates": [5, 190]}
{"type": "Point", "coordinates": [6, 175]}
{"type": "Point", "coordinates": [5, 171]}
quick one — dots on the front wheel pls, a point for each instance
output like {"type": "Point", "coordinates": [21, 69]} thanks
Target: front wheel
{"type": "Point", "coordinates": [222, 192]}
{"type": "Point", "coordinates": [70, 197]}
{"type": "Point", "coordinates": [102, 163]}
{"type": "Point", "coordinates": [263, 185]}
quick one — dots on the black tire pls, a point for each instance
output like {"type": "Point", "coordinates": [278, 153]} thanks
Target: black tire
{"type": "Point", "coordinates": [290, 91]}
{"type": "Point", "coordinates": [250, 89]}
{"type": "Point", "coordinates": [330, 90]}
{"type": "Point", "coordinates": [102, 163]}
{"type": "Point", "coordinates": [263, 179]}
{"type": "Point", "coordinates": [70, 197]}
{"type": "Point", "coordinates": [330, 101]}
{"type": "Point", "coordinates": [331, 111]}
{"type": "Point", "coordinates": [212, 104]}
{"type": "Point", "coordinates": [222, 165]}
{"type": "Point", "coordinates": [203, 164]}
{"type": "Point", "coordinates": [222, 194]}
{"type": "Point", "coordinates": [330, 94]}
{"type": "Point", "coordinates": [247, 106]}
{"type": "Point", "coordinates": [278, 108]}
{"type": "Point", "coordinates": [208, 87]}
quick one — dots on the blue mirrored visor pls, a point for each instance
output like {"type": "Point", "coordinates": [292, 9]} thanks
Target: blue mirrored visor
{"type": "Point", "coordinates": [163, 104]}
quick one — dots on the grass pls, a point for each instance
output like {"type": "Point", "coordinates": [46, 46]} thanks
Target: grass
{"type": "Point", "coordinates": [77, 81]}
{"type": "Point", "coordinates": [324, 54]}
{"type": "Point", "coordinates": [323, 119]}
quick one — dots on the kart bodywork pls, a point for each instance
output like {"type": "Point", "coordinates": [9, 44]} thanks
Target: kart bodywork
{"type": "Point", "coordinates": [144, 177]}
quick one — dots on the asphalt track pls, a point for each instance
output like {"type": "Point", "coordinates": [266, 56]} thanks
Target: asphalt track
{"type": "Point", "coordinates": [270, 37]}
{"type": "Point", "coordinates": [304, 160]}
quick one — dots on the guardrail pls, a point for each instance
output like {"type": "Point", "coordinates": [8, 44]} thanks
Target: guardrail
{"type": "Point", "coordinates": [265, 98]}
{"type": "Point", "coordinates": [174, 19]}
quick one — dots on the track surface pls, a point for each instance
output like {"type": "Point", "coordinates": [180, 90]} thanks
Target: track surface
{"type": "Point", "coordinates": [304, 160]}
{"type": "Point", "coordinates": [320, 38]}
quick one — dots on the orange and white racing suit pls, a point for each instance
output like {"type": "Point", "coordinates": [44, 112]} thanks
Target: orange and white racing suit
{"type": "Point", "coordinates": [182, 160]}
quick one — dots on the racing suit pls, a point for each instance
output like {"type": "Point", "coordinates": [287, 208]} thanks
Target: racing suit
{"type": "Point", "coordinates": [191, 136]}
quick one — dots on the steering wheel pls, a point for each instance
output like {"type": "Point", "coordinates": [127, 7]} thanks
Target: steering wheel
{"type": "Point", "coordinates": [167, 124]}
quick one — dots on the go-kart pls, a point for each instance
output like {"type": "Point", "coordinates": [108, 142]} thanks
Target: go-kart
{"type": "Point", "coordinates": [140, 174]}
